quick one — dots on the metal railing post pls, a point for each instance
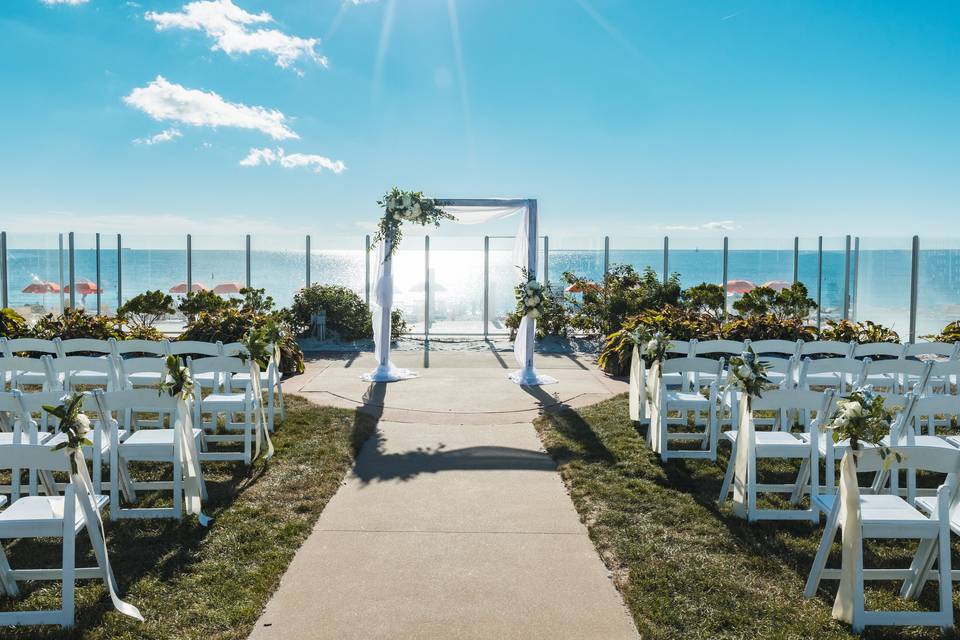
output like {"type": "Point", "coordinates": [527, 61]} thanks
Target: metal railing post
{"type": "Point", "coordinates": [855, 286]}
{"type": "Point", "coordinates": [98, 272]}
{"type": "Point", "coordinates": [308, 261]}
{"type": "Point", "coordinates": [486, 287]}
{"type": "Point", "coordinates": [366, 287]}
{"type": "Point", "coordinates": [60, 282]}
{"type": "Point", "coordinates": [726, 273]}
{"type": "Point", "coordinates": [846, 279]}
{"type": "Point", "coordinates": [189, 263]}
{"type": "Point", "coordinates": [71, 270]}
{"type": "Point", "coordinates": [606, 256]}
{"type": "Point", "coordinates": [249, 279]}
{"type": "Point", "coordinates": [914, 290]}
{"type": "Point", "coordinates": [666, 259]}
{"type": "Point", "coordinates": [796, 260]}
{"type": "Point", "coordinates": [119, 270]}
{"type": "Point", "coordinates": [546, 260]}
{"type": "Point", "coordinates": [4, 278]}
{"type": "Point", "coordinates": [426, 287]}
{"type": "Point", "coordinates": [819, 281]}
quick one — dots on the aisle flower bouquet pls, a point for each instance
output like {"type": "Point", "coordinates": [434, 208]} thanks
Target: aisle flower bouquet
{"type": "Point", "coordinates": [406, 206]}
{"type": "Point", "coordinates": [862, 418]}
{"type": "Point", "coordinates": [73, 423]}
{"type": "Point", "coordinates": [749, 374]}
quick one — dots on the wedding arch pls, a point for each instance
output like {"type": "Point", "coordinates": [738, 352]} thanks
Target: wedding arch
{"type": "Point", "coordinates": [462, 211]}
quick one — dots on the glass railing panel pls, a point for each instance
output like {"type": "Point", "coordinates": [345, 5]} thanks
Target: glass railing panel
{"type": "Point", "coordinates": [938, 284]}
{"type": "Point", "coordinates": [637, 251]}
{"type": "Point", "coordinates": [456, 285]}
{"type": "Point", "coordinates": [34, 259]}
{"type": "Point", "coordinates": [880, 289]}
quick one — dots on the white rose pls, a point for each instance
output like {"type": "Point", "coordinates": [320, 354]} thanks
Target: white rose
{"type": "Point", "coordinates": [397, 216]}
{"type": "Point", "coordinates": [83, 425]}
{"type": "Point", "coordinates": [534, 313]}
{"type": "Point", "coordinates": [744, 371]}
{"type": "Point", "coordinates": [416, 209]}
{"type": "Point", "coordinates": [536, 300]}
{"type": "Point", "coordinates": [406, 200]}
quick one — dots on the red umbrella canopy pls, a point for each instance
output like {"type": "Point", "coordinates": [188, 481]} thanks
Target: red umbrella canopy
{"type": "Point", "coordinates": [740, 286]}
{"type": "Point", "coordinates": [41, 287]}
{"type": "Point", "coordinates": [84, 288]}
{"type": "Point", "coordinates": [181, 287]}
{"type": "Point", "coordinates": [228, 287]}
{"type": "Point", "coordinates": [777, 285]}
{"type": "Point", "coordinates": [587, 286]}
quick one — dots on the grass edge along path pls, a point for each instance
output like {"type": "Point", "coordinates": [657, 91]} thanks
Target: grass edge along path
{"type": "Point", "coordinates": [191, 582]}
{"type": "Point", "coordinates": [687, 569]}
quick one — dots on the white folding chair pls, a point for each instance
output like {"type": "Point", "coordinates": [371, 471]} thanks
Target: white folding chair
{"type": "Point", "coordinates": [121, 348]}
{"type": "Point", "coordinates": [779, 443]}
{"type": "Point", "coordinates": [144, 445]}
{"type": "Point", "coordinates": [888, 515]}
{"type": "Point", "coordinates": [783, 349]}
{"type": "Point", "coordinates": [941, 349]}
{"type": "Point", "coordinates": [832, 373]}
{"type": "Point", "coordinates": [193, 348]}
{"type": "Point", "coordinates": [37, 348]}
{"type": "Point", "coordinates": [22, 430]}
{"type": "Point", "coordinates": [46, 517]}
{"type": "Point", "coordinates": [223, 401]}
{"type": "Point", "coordinates": [20, 372]}
{"type": "Point", "coordinates": [690, 399]}
{"type": "Point", "coordinates": [77, 371]}
{"type": "Point", "coordinates": [828, 348]}
{"type": "Point", "coordinates": [894, 376]}
{"type": "Point", "coordinates": [269, 382]}
{"type": "Point", "coordinates": [84, 346]}
{"type": "Point", "coordinates": [135, 373]}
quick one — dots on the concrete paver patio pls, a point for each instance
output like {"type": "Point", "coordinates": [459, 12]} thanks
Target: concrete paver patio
{"type": "Point", "coordinates": [449, 530]}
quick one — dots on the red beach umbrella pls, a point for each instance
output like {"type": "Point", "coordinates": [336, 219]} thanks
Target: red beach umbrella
{"type": "Point", "coordinates": [181, 287]}
{"type": "Point", "coordinates": [41, 287]}
{"type": "Point", "coordinates": [587, 286]}
{"type": "Point", "coordinates": [228, 287]}
{"type": "Point", "coordinates": [777, 285]}
{"type": "Point", "coordinates": [740, 286]}
{"type": "Point", "coordinates": [84, 288]}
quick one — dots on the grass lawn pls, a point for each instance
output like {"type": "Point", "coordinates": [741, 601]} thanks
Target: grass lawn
{"type": "Point", "coordinates": [192, 582]}
{"type": "Point", "coordinates": [686, 568]}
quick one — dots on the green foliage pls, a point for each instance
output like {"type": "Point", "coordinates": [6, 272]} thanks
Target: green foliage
{"type": "Point", "coordinates": [860, 332]}
{"type": "Point", "coordinates": [406, 206]}
{"type": "Point", "coordinates": [176, 379]}
{"type": "Point", "coordinates": [72, 423]}
{"type": "Point", "coordinates": [348, 316]}
{"type": "Point", "coordinates": [704, 298]}
{"type": "Point", "coordinates": [671, 321]}
{"type": "Point", "coordinates": [749, 374]}
{"type": "Point", "coordinates": [767, 327]}
{"type": "Point", "coordinates": [623, 293]}
{"type": "Point", "coordinates": [232, 325]}
{"type": "Point", "coordinates": [12, 324]}
{"type": "Point", "coordinates": [145, 309]}
{"type": "Point", "coordinates": [77, 323]}
{"type": "Point", "coordinates": [862, 417]}
{"type": "Point", "coordinates": [792, 303]}
{"type": "Point", "coordinates": [950, 333]}
{"type": "Point", "coordinates": [255, 301]}
{"type": "Point", "coordinates": [554, 318]}
{"type": "Point", "coordinates": [205, 301]}
{"type": "Point", "coordinates": [144, 333]}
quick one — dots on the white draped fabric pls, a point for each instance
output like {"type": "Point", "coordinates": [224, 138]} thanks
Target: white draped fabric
{"type": "Point", "coordinates": [744, 471]}
{"type": "Point", "coordinates": [524, 256]}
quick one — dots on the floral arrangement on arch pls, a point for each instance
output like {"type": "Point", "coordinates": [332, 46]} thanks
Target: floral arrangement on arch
{"type": "Point", "coordinates": [749, 374]}
{"type": "Point", "coordinates": [862, 418]}
{"type": "Point", "coordinates": [406, 206]}
{"type": "Point", "coordinates": [530, 296]}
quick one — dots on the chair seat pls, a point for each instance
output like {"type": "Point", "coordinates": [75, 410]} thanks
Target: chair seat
{"type": "Point", "coordinates": [243, 378]}
{"type": "Point", "coordinates": [40, 516]}
{"type": "Point", "coordinates": [89, 377]}
{"type": "Point", "coordinates": [883, 511]}
{"type": "Point", "coordinates": [775, 444]}
{"type": "Point", "coordinates": [205, 379]}
{"type": "Point", "coordinates": [6, 437]}
{"type": "Point", "coordinates": [145, 378]}
{"type": "Point", "coordinates": [685, 398]}
{"type": "Point", "coordinates": [669, 379]}
{"type": "Point", "coordinates": [222, 401]}
{"type": "Point", "coordinates": [929, 441]}
{"type": "Point", "coordinates": [152, 438]}
{"type": "Point", "coordinates": [87, 448]}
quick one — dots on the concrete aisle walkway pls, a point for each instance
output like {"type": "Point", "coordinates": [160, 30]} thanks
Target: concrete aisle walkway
{"type": "Point", "coordinates": [448, 532]}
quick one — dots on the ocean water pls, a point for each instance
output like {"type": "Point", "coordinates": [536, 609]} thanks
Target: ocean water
{"type": "Point", "coordinates": [881, 291]}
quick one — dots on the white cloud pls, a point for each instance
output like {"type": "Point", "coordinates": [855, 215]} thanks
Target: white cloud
{"type": "Point", "coordinates": [231, 29]}
{"type": "Point", "coordinates": [164, 101]}
{"type": "Point", "coordinates": [164, 136]}
{"type": "Point", "coordinates": [267, 156]}
{"type": "Point", "coordinates": [717, 225]}
{"type": "Point", "coordinates": [73, 3]}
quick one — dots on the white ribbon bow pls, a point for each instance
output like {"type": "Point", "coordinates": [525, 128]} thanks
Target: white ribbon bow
{"type": "Point", "coordinates": [260, 417]}
{"type": "Point", "coordinates": [189, 462]}
{"type": "Point", "coordinates": [744, 460]}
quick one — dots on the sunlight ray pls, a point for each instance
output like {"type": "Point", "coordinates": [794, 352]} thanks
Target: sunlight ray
{"type": "Point", "coordinates": [461, 74]}
{"type": "Point", "coordinates": [382, 47]}
{"type": "Point", "coordinates": [611, 30]}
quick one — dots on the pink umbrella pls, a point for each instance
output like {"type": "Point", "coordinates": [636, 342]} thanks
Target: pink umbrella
{"type": "Point", "coordinates": [84, 287]}
{"type": "Point", "coordinates": [228, 287]}
{"type": "Point", "coordinates": [740, 286]}
{"type": "Point", "coordinates": [777, 285]}
{"type": "Point", "coordinates": [587, 286]}
{"type": "Point", "coordinates": [182, 287]}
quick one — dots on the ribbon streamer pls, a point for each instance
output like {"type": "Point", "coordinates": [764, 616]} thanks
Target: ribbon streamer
{"type": "Point", "coordinates": [260, 417]}
{"type": "Point", "coordinates": [637, 385]}
{"type": "Point", "coordinates": [84, 490]}
{"type": "Point", "coordinates": [742, 464]}
{"type": "Point", "coordinates": [653, 384]}
{"type": "Point", "coordinates": [189, 463]}
{"type": "Point", "coordinates": [851, 543]}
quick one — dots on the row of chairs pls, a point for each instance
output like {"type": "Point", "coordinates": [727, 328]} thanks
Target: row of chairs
{"type": "Point", "coordinates": [817, 348]}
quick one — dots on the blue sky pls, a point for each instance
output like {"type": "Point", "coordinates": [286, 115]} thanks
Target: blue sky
{"type": "Point", "coordinates": [628, 118]}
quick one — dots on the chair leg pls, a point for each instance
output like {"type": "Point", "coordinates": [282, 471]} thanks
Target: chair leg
{"type": "Point", "coordinates": [920, 566]}
{"type": "Point", "coordinates": [803, 478]}
{"type": "Point", "coordinates": [7, 581]}
{"type": "Point", "coordinates": [728, 476]}
{"type": "Point", "coordinates": [946, 578]}
{"type": "Point", "coordinates": [823, 552]}
{"type": "Point", "coordinates": [69, 570]}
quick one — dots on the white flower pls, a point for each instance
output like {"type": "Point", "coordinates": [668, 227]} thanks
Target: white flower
{"type": "Point", "coordinates": [534, 313]}
{"type": "Point", "coordinates": [744, 371]}
{"type": "Point", "coordinates": [83, 425]}
{"type": "Point", "coordinates": [406, 200]}
{"type": "Point", "coordinates": [416, 209]}
{"type": "Point", "coordinates": [396, 215]}
{"type": "Point", "coordinates": [533, 285]}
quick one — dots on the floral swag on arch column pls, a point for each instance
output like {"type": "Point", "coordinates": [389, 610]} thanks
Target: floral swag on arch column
{"type": "Point", "coordinates": [411, 206]}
